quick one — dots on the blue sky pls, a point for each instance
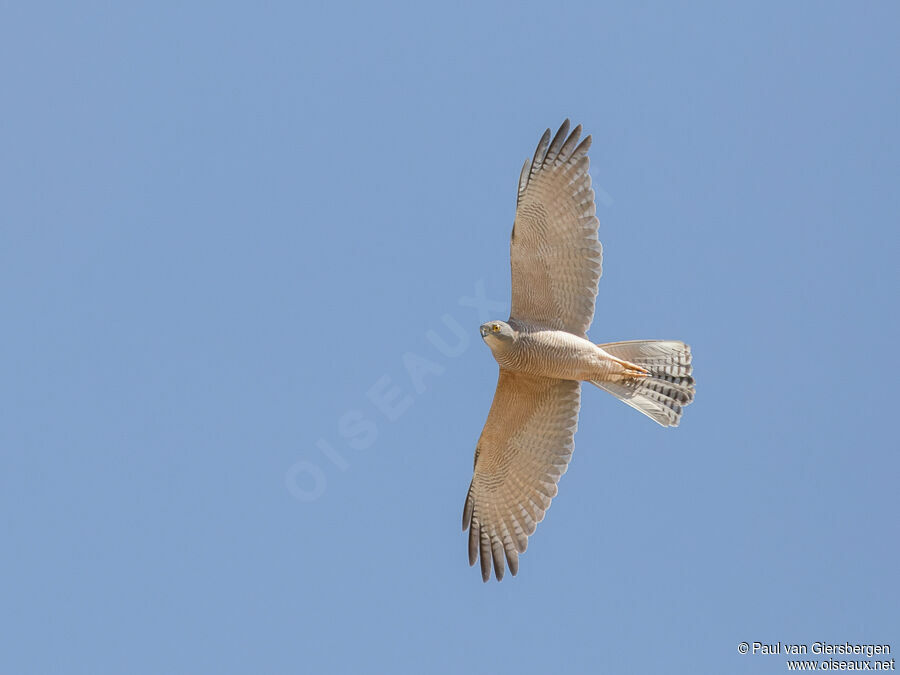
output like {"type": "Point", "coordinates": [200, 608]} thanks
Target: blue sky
{"type": "Point", "coordinates": [223, 227]}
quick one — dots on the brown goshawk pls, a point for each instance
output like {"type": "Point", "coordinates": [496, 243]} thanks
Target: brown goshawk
{"type": "Point", "coordinates": [544, 356]}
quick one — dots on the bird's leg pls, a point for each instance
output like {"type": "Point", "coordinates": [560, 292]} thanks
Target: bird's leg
{"type": "Point", "coordinates": [631, 369]}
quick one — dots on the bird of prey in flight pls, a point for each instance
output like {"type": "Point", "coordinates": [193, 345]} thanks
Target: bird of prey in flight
{"type": "Point", "coordinates": [544, 356]}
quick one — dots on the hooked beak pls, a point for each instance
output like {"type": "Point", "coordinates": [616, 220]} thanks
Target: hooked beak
{"type": "Point", "coordinates": [484, 331]}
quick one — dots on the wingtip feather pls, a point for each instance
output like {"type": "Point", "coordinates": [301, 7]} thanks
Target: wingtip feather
{"type": "Point", "coordinates": [468, 508]}
{"type": "Point", "coordinates": [499, 559]}
{"type": "Point", "coordinates": [485, 557]}
{"type": "Point", "coordinates": [541, 151]}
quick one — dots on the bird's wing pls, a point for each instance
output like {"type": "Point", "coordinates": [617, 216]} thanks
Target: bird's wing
{"type": "Point", "coordinates": [554, 251]}
{"type": "Point", "coordinates": [525, 447]}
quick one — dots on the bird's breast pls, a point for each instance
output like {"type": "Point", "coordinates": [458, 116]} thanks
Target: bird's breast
{"type": "Point", "coordinates": [551, 353]}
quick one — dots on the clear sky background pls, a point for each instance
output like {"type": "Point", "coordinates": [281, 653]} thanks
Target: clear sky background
{"type": "Point", "coordinates": [224, 226]}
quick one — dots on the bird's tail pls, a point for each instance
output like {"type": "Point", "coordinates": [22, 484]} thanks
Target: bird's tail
{"type": "Point", "coordinates": [666, 390]}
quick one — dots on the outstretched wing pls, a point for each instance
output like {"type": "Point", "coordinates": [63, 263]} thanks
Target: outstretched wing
{"type": "Point", "coordinates": [525, 447]}
{"type": "Point", "coordinates": [554, 251]}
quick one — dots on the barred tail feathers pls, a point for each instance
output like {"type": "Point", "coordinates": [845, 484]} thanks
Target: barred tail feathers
{"type": "Point", "coordinates": [669, 387]}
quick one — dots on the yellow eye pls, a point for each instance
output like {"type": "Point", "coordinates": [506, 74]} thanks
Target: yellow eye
{"type": "Point", "coordinates": [496, 328]}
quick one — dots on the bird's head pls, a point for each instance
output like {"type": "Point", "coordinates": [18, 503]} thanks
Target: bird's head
{"type": "Point", "coordinates": [496, 333]}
